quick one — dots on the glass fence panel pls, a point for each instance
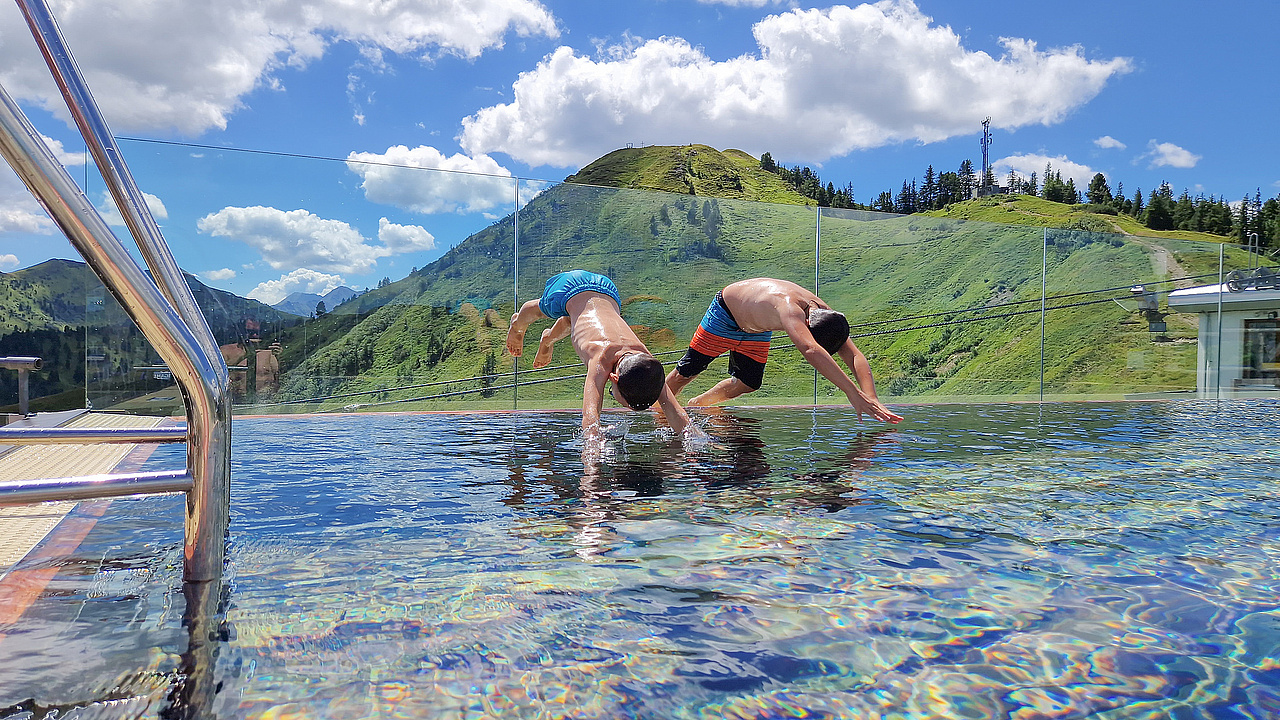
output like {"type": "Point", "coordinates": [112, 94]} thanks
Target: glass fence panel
{"type": "Point", "coordinates": [324, 282]}
{"type": "Point", "coordinates": [46, 320]}
{"type": "Point", "coordinates": [42, 300]}
{"type": "Point", "coordinates": [1109, 332]}
{"type": "Point", "coordinates": [1248, 356]}
{"type": "Point", "coordinates": [668, 254]}
{"type": "Point", "coordinates": [943, 309]}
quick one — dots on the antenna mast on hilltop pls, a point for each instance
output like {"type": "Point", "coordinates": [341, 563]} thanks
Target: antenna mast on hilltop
{"type": "Point", "coordinates": [986, 146]}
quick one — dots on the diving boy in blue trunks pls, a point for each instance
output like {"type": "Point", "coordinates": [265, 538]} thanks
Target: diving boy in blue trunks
{"type": "Point", "coordinates": [588, 306]}
{"type": "Point", "coordinates": [741, 321]}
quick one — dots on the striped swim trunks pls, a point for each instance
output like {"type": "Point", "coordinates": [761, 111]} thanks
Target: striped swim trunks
{"type": "Point", "coordinates": [718, 333]}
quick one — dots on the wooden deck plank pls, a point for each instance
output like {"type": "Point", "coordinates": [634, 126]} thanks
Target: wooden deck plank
{"type": "Point", "coordinates": [23, 527]}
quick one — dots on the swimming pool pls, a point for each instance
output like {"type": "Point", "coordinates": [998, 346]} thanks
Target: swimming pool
{"type": "Point", "coordinates": [1006, 561]}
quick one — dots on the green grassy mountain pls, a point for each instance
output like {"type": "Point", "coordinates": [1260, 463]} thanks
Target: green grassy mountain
{"type": "Point", "coordinates": [689, 170]}
{"type": "Point", "coordinates": [944, 305]}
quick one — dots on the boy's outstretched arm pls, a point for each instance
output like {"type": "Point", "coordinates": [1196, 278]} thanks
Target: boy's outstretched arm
{"type": "Point", "coordinates": [671, 410]}
{"type": "Point", "coordinates": [593, 396]}
{"type": "Point", "coordinates": [826, 365]}
{"type": "Point", "coordinates": [857, 362]}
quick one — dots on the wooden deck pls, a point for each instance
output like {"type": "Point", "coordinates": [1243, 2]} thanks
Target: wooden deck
{"type": "Point", "coordinates": [23, 527]}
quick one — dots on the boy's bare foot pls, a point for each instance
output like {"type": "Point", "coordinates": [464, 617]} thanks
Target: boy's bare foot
{"type": "Point", "coordinates": [543, 358]}
{"type": "Point", "coordinates": [515, 337]}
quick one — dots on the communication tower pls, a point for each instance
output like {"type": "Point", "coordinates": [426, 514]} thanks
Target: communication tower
{"type": "Point", "coordinates": [986, 147]}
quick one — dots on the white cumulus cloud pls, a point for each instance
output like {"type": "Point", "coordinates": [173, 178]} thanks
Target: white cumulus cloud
{"type": "Point", "coordinates": [1170, 155]}
{"type": "Point", "coordinates": [1024, 165]}
{"type": "Point", "coordinates": [424, 180]}
{"type": "Point", "coordinates": [1106, 142]}
{"type": "Point", "coordinates": [111, 214]}
{"type": "Point", "coordinates": [300, 280]}
{"type": "Point", "coordinates": [216, 275]}
{"type": "Point", "coordinates": [404, 238]}
{"type": "Point", "coordinates": [823, 83]}
{"type": "Point", "coordinates": [183, 65]}
{"type": "Point", "coordinates": [8, 261]}
{"type": "Point", "coordinates": [295, 238]}
{"type": "Point", "coordinates": [19, 211]}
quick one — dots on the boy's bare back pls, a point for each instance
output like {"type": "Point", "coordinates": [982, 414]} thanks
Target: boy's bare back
{"type": "Point", "coordinates": [760, 304]}
{"type": "Point", "coordinates": [598, 330]}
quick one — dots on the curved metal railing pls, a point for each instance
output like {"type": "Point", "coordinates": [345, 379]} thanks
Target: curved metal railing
{"type": "Point", "coordinates": [163, 308]}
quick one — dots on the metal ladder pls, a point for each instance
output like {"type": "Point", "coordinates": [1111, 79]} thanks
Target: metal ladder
{"type": "Point", "coordinates": [162, 306]}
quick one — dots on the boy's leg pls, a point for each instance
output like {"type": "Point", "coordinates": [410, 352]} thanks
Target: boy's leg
{"type": "Point", "coordinates": [528, 313]}
{"type": "Point", "coordinates": [676, 381]}
{"type": "Point", "coordinates": [687, 368]}
{"type": "Point", "coordinates": [561, 329]}
{"type": "Point", "coordinates": [726, 389]}
{"type": "Point", "coordinates": [746, 373]}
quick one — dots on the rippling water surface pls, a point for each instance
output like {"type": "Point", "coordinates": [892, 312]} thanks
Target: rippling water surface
{"type": "Point", "coordinates": [1058, 561]}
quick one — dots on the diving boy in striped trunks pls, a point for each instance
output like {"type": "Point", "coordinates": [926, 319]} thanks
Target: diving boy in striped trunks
{"type": "Point", "coordinates": [741, 321]}
{"type": "Point", "coordinates": [587, 305]}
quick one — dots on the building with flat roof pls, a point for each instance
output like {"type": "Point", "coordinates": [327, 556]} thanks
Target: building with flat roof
{"type": "Point", "coordinates": [1239, 348]}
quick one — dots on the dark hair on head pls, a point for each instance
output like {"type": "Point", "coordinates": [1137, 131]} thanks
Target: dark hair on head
{"type": "Point", "coordinates": [829, 328]}
{"type": "Point", "coordinates": [640, 380]}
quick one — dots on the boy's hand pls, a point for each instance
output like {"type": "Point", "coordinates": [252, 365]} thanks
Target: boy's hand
{"type": "Point", "coordinates": [874, 408]}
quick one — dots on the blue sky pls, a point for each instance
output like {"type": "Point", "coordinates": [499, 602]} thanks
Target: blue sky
{"type": "Point", "coordinates": [493, 90]}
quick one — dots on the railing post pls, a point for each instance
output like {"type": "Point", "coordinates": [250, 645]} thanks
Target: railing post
{"type": "Point", "coordinates": [24, 392]}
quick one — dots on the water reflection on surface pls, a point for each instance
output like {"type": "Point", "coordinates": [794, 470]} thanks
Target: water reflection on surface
{"type": "Point", "coordinates": [1116, 560]}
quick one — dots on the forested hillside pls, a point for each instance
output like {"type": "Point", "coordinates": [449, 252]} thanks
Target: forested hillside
{"type": "Point", "coordinates": [59, 312]}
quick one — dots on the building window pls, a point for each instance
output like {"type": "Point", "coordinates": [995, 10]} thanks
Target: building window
{"type": "Point", "coordinates": [1262, 349]}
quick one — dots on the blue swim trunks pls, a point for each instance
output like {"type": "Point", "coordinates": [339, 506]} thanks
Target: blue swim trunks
{"type": "Point", "coordinates": [567, 284]}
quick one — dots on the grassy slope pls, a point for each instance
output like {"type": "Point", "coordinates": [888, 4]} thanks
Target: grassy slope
{"type": "Point", "coordinates": [689, 170]}
{"type": "Point", "coordinates": [668, 260]}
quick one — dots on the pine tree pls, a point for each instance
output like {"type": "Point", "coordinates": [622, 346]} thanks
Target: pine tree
{"type": "Point", "coordinates": [1160, 209]}
{"type": "Point", "coordinates": [968, 180]}
{"type": "Point", "coordinates": [929, 191]}
{"type": "Point", "coordinates": [1099, 192]}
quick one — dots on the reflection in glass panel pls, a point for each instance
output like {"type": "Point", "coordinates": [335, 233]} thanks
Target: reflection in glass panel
{"type": "Point", "coordinates": [1110, 332]}
{"type": "Point", "coordinates": [45, 320]}
{"type": "Point", "coordinates": [942, 308]}
{"type": "Point", "coordinates": [668, 254]}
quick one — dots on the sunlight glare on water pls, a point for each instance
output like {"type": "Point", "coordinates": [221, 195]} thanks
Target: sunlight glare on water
{"type": "Point", "coordinates": [1057, 561]}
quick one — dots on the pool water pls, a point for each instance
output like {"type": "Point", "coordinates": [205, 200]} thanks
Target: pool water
{"type": "Point", "coordinates": [1009, 561]}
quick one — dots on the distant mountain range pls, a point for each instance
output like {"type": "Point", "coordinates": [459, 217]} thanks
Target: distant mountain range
{"type": "Point", "coordinates": [55, 294]}
{"type": "Point", "coordinates": [301, 303]}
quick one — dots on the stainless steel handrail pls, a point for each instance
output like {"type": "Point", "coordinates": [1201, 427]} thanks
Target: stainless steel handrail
{"type": "Point", "coordinates": [202, 379]}
{"type": "Point", "coordinates": [166, 313]}
{"type": "Point", "coordinates": [79, 436]}
{"type": "Point", "coordinates": [106, 154]}
{"type": "Point", "coordinates": [87, 487]}
{"type": "Point", "coordinates": [205, 395]}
